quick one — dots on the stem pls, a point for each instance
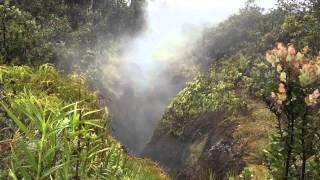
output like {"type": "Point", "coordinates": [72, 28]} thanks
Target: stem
{"type": "Point", "coordinates": [4, 36]}
{"type": "Point", "coordinates": [290, 118]}
{"type": "Point", "coordinates": [77, 177]}
{"type": "Point", "coordinates": [304, 153]}
{"type": "Point", "coordinates": [78, 158]}
{"type": "Point", "coordinates": [40, 156]}
{"type": "Point", "coordinates": [278, 115]}
{"type": "Point", "coordinates": [275, 110]}
{"type": "Point", "coordinates": [290, 143]}
{"type": "Point", "coordinates": [279, 127]}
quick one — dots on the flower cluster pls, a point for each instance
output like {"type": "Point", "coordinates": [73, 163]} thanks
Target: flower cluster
{"type": "Point", "coordinates": [281, 95]}
{"type": "Point", "coordinates": [281, 53]}
{"type": "Point", "coordinates": [305, 70]}
{"type": "Point", "coordinates": [313, 98]}
{"type": "Point", "coordinates": [288, 54]}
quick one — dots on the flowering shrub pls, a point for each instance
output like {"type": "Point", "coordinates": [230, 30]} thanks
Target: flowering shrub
{"type": "Point", "coordinates": [302, 69]}
{"type": "Point", "coordinates": [294, 151]}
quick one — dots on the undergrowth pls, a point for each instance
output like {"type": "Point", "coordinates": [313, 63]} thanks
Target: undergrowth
{"type": "Point", "coordinates": [53, 128]}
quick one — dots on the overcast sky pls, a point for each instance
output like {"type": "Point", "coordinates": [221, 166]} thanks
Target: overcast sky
{"type": "Point", "coordinates": [200, 11]}
{"type": "Point", "coordinates": [208, 4]}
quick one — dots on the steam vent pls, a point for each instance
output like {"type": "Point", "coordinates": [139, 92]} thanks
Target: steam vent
{"type": "Point", "coordinates": [160, 89]}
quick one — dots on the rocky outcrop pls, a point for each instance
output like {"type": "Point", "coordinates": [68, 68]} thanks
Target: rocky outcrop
{"type": "Point", "coordinates": [207, 146]}
{"type": "Point", "coordinates": [216, 143]}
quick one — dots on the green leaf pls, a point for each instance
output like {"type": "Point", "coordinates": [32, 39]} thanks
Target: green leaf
{"type": "Point", "coordinates": [91, 112]}
{"type": "Point", "coordinates": [12, 174]}
{"type": "Point", "coordinates": [51, 171]}
{"type": "Point", "coordinates": [16, 120]}
{"type": "Point", "coordinates": [98, 152]}
{"type": "Point", "coordinates": [28, 155]}
{"type": "Point", "coordinates": [91, 122]}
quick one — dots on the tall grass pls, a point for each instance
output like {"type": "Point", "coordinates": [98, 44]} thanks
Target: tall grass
{"type": "Point", "coordinates": [65, 144]}
{"type": "Point", "coordinates": [56, 139]}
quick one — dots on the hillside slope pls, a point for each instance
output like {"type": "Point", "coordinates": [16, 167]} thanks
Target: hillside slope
{"type": "Point", "coordinates": [52, 126]}
{"type": "Point", "coordinates": [213, 126]}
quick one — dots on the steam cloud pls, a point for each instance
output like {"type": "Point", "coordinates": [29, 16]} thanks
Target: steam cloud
{"type": "Point", "coordinates": [143, 79]}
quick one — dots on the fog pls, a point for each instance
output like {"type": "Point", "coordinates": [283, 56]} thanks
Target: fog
{"type": "Point", "coordinates": [146, 83]}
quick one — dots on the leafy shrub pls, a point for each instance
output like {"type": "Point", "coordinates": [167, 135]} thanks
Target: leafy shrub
{"type": "Point", "coordinates": [21, 37]}
{"type": "Point", "coordinates": [214, 91]}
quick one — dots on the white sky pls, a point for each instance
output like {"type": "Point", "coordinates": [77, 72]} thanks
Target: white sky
{"type": "Point", "coordinates": [208, 4]}
{"type": "Point", "coordinates": [200, 11]}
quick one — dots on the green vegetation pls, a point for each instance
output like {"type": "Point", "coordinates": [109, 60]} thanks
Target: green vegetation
{"type": "Point", "coordinates": [52, 125]}
{"type": "Point", "coordinates": [56, 130]}
{"type": "Point", "coordinates": [294, 150]}
{"type": "Point", "coordinates": [252, 134]}
{"type": "Point", "coordinates": [230, 88]}
{"type": "Point", "coordinates": [68, 33]}
{"type": "Point", "coordinates": [282, 140]}
{"type": "Point", "coordinates": [210, 92]}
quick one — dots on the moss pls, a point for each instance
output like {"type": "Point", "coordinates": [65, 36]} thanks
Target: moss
{"type": "Point", "coordinates": [153, 169]}
{"type": "Point", "coordinates": [195, 151]}
{"type": "Point", "coordinates": [259, 172]}
{"type": "Point", "coordinates": [252, 135]}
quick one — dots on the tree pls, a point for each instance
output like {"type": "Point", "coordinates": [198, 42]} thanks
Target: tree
{"type": "Point", "coordinates": [301, 23]}
{"type": "Point", "coordinates": [295, 103]}
{"type": "Point", "coordinates": [21, 37]}
{"type": "Point", "coordinates": [300, 6]}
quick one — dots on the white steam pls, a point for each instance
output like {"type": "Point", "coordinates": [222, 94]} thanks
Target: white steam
{"type": "Point", "coordinates": [144, 62]}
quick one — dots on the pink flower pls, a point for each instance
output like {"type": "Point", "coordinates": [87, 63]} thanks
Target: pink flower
{"type": "Point", "coordinates": [300, 56]}
{"type": "Point", "coordinates": [282, 97]}
{"type": "Point", "coordinates": [313, 98]}
{"type": "Point", "coordinates": [292, 51]}
{"type": "Point", "coordinates": [310, 67]}
{"type": "Point", "coordinates": [282, 88]}
{"type": "Point", "coordinates": [298, 64]}
{"type": "Point", "coordinates": [280, 46]}
{"type": "Point", "coordinates": [282, 51]}
{"type": "Point", "coordinates": [316, 94]}
{"type": "Point", "coordinates": [274, 51]}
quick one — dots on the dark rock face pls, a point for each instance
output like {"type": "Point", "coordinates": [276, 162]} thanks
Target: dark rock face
{"type": "Point", "coordinates": [205, 147]}
{"type": "Point", "coordinates": [166, 150]}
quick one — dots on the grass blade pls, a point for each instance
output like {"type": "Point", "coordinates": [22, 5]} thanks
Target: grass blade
{"type": "Point", "coordinates": [16, 120]}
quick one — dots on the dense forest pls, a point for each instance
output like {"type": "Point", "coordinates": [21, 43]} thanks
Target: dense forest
{"type": "Point", "coordinates": [245, 105]}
